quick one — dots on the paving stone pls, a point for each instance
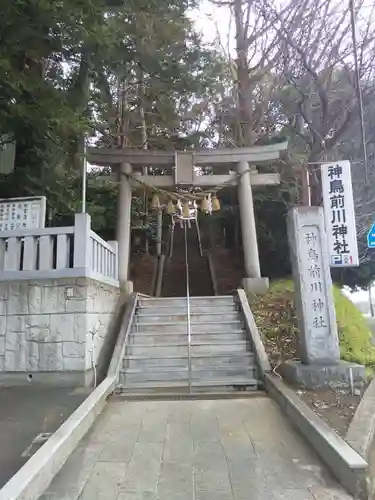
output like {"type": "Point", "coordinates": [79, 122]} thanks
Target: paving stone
{"type": "Point", "coordinates": [104, 481]}
{"type": "Point", "coordinates": [238, 448]}
{"type": "Point", "coordinates": [193, 450]}
{"type": "Point", "coordinates": [182, 495]}
{"type": "Point", "coordinates": [136, 495]}
{"type": "Point", "coordinates": [286, 478]}
{"type": "Point", "coordinates": [178, 450]}
{"type": "Point", "coordinates": [113, 472]}
{"type": "Point", "coordinates": [153, 429]}
{"type": "Point", "coordinates": [292, 495]}
{"type": "Point", "coordinates": [212, 480]}
{"type": "Point", "coordinates": [118, 451]}
{"type": "Point", "coordinates": [214, 495]}
{"type": "Point", "coordinates": [258, 491]}
{"type": "Point", "coordinates": [144, 467]}
{"type": "Point", "coordinates": [178, 446]}
{"type": "Point", "coordinates": [56, 496]}
{"type": "Point", "coordinates": [241, 482]}
{"type": "Point", "coordinates": [244, 470]}
{"type": "Point", "coordinates": [177, 429]}
{"type": "Point", "coordinates": [175, 477]}
{"type": "Point", "coordinates": [78, 469]}
{"type": "Point", "coordinates": [216, 461]}
{"type": "Point", "coordinates": [323, 493]}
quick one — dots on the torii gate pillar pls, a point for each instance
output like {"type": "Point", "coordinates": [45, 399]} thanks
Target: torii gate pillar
{"type": "Point", "coordinates": [252, 282]}
{"type": "Point", "coordinates": [124, 226]}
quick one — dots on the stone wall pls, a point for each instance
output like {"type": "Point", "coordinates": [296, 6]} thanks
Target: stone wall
{"type": "Point", "coordinates": [52, 325]}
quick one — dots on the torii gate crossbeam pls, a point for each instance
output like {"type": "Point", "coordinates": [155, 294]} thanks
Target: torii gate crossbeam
{"type": "Point", "coordinates": [182, 171]}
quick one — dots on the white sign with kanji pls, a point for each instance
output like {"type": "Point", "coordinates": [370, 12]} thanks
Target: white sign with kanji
{"type": "Point", "coordinates": [339, 214]}
{"type": "Point", "coordinates": [22, 213]}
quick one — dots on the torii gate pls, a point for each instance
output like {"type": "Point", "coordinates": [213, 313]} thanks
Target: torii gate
{"type": "Point", "coordinates": [182, 172]}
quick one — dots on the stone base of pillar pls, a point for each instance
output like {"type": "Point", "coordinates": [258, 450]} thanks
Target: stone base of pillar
{"type": "Point", "coordinates": [259, 286]}
{"type": "Point", "coordinates": [341, 374]}
{"type": "Point", "coordinates": [127, 287]}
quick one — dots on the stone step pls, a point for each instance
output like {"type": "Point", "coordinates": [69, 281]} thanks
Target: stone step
{"type": "Point", "coordinates": [182, 309]}
{"type": "Point", "coordinates": [164, 373]}
{"type": "Point", "coordinates": [222, 372]}
{"type": "Point", "coordinates": [235, 359]}
{"type": "Point", "coordinates": [216, 317]}
{"type": "Point", "coordinates": [180, 327]}
{"type": "Point", "coordinates": [181, 301]}
{"type": "Point", "coordinates": [227, 384]}
{"type": "Point", "coordinates": [179, 349]}
{"type": "Point", "coordinates": [152, 339]}
{"type": "Point", "coordinates": [239, 331]}
{"type": "Point", "coordinates": [167, 373]}
{"type": "Point", "coordinates": [157, 351]}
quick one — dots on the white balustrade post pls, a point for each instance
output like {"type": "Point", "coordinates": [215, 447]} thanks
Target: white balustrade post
{"type": "Point", "coordinates": [114, 263]}
{"type": "Point", "coordinates": [82, 241]}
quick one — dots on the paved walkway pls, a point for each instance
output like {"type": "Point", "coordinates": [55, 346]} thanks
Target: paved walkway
{"type": "Point", "coordinates": [241, 449]}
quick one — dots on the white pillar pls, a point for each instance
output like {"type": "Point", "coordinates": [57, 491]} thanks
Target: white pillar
{"type": "Point", "coordinates": [123, 223]}
{"type": "Point", "coordinates": [82, 243]}
{"type": "Point", "coordinates": [249, 234]}
{"type": "Point", "coordinates": [159, 228]}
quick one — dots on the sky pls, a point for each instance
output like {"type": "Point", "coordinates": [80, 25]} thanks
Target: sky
{"type": "Point", "coordinates": [211, 20]}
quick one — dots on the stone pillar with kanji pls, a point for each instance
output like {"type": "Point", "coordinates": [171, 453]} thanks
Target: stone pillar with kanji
{"type": "Point", "coordinates": [318, 341]}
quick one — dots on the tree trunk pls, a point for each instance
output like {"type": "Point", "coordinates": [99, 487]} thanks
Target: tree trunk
{"type": "Point", "coordinates": [144, 138]}
{"type": "Point", "coordinates": [244, 87]}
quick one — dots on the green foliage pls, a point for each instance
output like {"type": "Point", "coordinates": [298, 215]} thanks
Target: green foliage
{"type": "Point", "coordinates": [275, 316]}
{"type": "Point", "coordinates": [60, 63]}
{"type": "Point", "coordinates": [355, 334]}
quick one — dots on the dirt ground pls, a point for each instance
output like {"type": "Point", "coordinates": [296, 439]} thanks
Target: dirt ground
{"type": "Point", "coordinates": [335, 406]}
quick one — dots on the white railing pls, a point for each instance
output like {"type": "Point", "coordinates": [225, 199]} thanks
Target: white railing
{"type": "Point", "coordinates": [58, 252]}
{"type": "Point", "coordinates": [103, 256]}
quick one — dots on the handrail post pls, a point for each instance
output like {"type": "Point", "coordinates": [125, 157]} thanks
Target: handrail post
{"type": "Point", "coordinates": [188, 308]}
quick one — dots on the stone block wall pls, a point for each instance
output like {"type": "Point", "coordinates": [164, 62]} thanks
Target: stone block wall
{"type": "Point", "coordinates": [54, 325]}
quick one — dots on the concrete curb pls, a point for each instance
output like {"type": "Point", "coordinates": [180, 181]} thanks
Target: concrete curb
{"type": "Point", "coordinates": [344, 462]}
{"type": "Point", "coordinates": [119, 350]}
{"type": "Point", "coordinates": [35, 476]}
{"type": "Point", "coordinates": [361, 433]}
{"type": "Point", "coordinates": [253, 332]}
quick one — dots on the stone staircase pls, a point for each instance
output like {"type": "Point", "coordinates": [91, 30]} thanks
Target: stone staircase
{"type": "Point", "coordinates": [174, 279]}
{"type": "Point", "coordinates": [156, 358]}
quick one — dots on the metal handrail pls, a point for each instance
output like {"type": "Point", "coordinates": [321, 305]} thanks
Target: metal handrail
{"type": "Point", "coordinates": [188, 307]}
{"type": "Point", "coordinates": [199, 238]}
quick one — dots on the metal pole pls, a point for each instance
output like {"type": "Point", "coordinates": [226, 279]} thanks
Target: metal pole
{"type": "Point", "coordinates": [84, 176]}
{"type": "Point", "coordinates": [358, 89]}
{"type": "Point", "coordinates": [199, 237]}
{"type": "Point", "coordinates": [159, 231]}
{"type": "Point", "coordinates": [370, 301]}
{"type": "Point", "coordinates": [188, 306]}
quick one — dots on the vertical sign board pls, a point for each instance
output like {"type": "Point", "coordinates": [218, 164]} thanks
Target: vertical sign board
{"type": "Point", "coordinates": [339, 214]}
{"type": "Point", "coordinates": [22, 213]}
